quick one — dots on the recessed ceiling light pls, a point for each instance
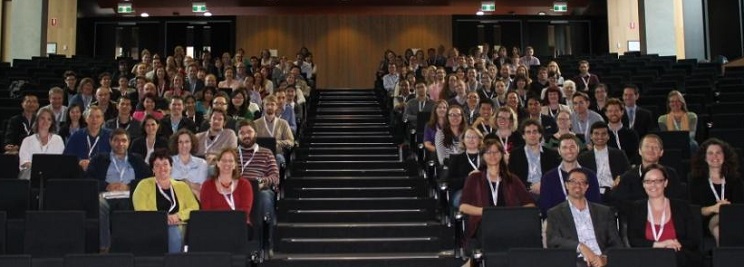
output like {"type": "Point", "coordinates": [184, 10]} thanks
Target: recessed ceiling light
{"type": "Point", "coordinates": [479, 13]}
{"type": "Point", "coordinates": [542, 13]}
{"type": "Point", "coordinates": [144, 14]}
{"type": "Point", "coordinates": [207, 14]}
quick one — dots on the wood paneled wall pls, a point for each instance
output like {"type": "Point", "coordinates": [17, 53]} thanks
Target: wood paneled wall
{"type": "Point", "coordinates": [346, 48]}
{"type": "Point", "coordinates": [65, 32]}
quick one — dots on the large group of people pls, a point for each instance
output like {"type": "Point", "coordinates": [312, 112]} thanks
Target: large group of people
{"type": "Point", "coordinates": [561, 144]}
{"type": "Point", "coordinates": [170, 137]}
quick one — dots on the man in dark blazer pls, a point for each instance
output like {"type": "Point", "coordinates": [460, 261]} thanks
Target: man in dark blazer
{"type": "Point", "coordinates": [563, 231]}
{"type": "Point", "coordinates": [540, 160]}
{"type": "Point", "coordinates": [621, 137]}
{"type": "Point", "coordinates": [636, 118]}
{"type": "Point", "coordinates": [601, 156]}
{"type": "Point", "coordinates": [192, 83]}
{"type": "Point", "coordinates": [548, 124]}
{"type": "Point", "coordinates": [175, 121]}
{"type": "Point", "coordinates": [421, 103]}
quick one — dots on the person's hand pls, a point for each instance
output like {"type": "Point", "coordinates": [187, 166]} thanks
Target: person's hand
{"type": "Point", "coordinates": [84, 164]}
{"type": "Point", "coordinates": [26, 165]}
{"type": "Point", "coordinates": [262, 183]}
{"type": "Point", "coordinates": [173, 219]}
{"type": "Point", "coordinates": [717, 207]}
{"type": "Point", "coordinates": [535, 188]}
{"type": "Point", "coordinates": [11, 149]}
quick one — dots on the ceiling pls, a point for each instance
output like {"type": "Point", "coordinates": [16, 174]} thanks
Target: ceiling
{"type": "Point", "coordinates": [319, 7]}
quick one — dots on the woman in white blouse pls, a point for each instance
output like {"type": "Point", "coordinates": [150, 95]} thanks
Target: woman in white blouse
{"type": "Point", "coordinates": [186, 167]}
{"type": "Point", "coordinates": [43, 141]}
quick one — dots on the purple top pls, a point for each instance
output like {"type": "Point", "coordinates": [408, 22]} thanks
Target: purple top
{"type": "Point", "coordinates": [429, 134]}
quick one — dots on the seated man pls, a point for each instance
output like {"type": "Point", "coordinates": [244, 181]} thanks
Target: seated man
{"type": "Point", "coordinates": [103, 101]}
{"type": "Point", "coordinates": [621, 137]}
{"type": "Point", "coordinates": [630, 187]}
{"type": "Point", "coordinates": [124, 119]}
{"type": "Point", "coordinates": [115, 172]}
{"type": "Point", "coordinates": [87, 142]}
{"type": "Point", "coordinates": [582, 118]}
{"type": "Point", "coordinates": [219, 101]}
{"type": "Point", "coordinates": [421, 103]}
{"type": "Point", "coordinates": [269, 125]}
{"type": "Point", "coordinates": [594, 229]}
{"type": "Point", "coordinates": [175, 120]}
{"type": "Point", "coordinates": [20, 126]}
{"type": "Point", "coordinates": [552, 184]}
{"type": "Point", "coordinates": [56, 105]}
{"type": "Point", "coordinates": [285, 110]}
{"type": "Point", "coordinates": [531, 161]}
{"type": "Point", "coordinates": [546, 122]}
{"type": "Point", "coordinates": [216, 137]}
{"type": "Point", "coordinates": [608, 162]}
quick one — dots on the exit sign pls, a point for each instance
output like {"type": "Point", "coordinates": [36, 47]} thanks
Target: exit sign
{"type": "Point", "coordinates": [560, 6]}
{"type": "Point", "coordinates": [488, 6]}
{"type": "Point", "coordinates": [199, 7]}
{"type": "Point", "coordinates": [125, 8]}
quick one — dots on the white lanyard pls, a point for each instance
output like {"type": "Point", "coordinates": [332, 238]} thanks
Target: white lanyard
{"type": "Point", "coordinates": [118, 125]}
{"type": "Point", "coordinates": [586, 81]}
{"type": "Point", "coordinates": [550, 111]}
{"type": "Point", "coordinates": [533, 164]}
{"type": "Point", "coordinates": [149, 149]}
{"type": "Point", "coordinates": [91, 147]}
{"type": "Point", "coordinates": [208, 145]}
{"type": "Point", "coordinates": [657, 235]}
{"type": "Point", "coordinates": [723, 189]}
{"type": "Point", "coordinates": [26, 128]}
{"type": "Point", "coordinates": [486, 129]}
{"type": "Point", "coordinates": [116, 167]}
{"type": "Point", "coordinates": [230, 200]}
{"type": "Point", "coordinates": [273, 127]}
{"type": "Point", "coordinates": [421, 106]}
{"type": "Point", "coordinates": [475, 164]}
{"type": "Point", "coordinates": [560, 175]}
{"type": "Point", "coordinates": [505, 142]}
{"type": "Point", "coordinates": [489, 96]}
{"type": "Point", "coordinates": [245, 165]}
{"type": "Point", "coordinates": [171, 199]}
{"type": "Point", "coordinates": [494, 190]}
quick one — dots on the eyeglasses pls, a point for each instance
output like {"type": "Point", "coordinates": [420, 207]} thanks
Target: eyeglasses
{"type": "Point", "coordinates": [654, 182]}
{"type": "Point", "coordinates": [472, 137]}
{"type": "Point", "coordinates": [575, 183]}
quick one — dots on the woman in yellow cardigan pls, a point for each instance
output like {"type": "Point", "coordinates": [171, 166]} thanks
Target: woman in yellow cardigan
{"type": "Point", "coordinates": [163, 193]}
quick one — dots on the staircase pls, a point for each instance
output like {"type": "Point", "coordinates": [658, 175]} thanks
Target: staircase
{"type": "Point", "coordinates": [350, 199]}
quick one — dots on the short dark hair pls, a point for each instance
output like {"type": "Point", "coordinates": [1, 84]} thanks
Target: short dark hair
{"type": "Point", "coordinates": [582, 95]}
{"type": "Point", "coordinates": [144, 121]}
{"type": "Point", "coordinates": [244, 122]}
{"type": "Point", "coordinates": [578, 170]}
{"type": "Point", "coordinates": [117, 132]}
{"type": "Point", "coordinates": [160, 153]}
{"type": "Point", "coordinates": [632, 87]}
{"type": "Point", "coordinates": [531, 122]}
{"type": "Point", "coordinates": [598, 125]}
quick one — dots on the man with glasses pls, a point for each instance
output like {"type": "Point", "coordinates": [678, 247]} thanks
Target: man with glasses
{"type": "Point", "coordinates": [220, 102]}
{"type": "Point", "coordinates": [552, 184]}
{"type": "Point", "coordinates": [608, 162]}
{"type": "Point", "coordinates": [630, 187]}
{"type": "Point", "coordinates": [594, 229]}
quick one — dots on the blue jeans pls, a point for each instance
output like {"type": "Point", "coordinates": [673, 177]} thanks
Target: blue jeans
{"type": "Point", "coordinates": [105, 207]}
{"type": "Point", "coordinates": [175, 239]}
{"type": "Point", "coordinates": [268, 199]}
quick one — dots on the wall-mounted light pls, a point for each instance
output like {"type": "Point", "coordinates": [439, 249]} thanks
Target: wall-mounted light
{"type": "Point", "coordinates": [207, 14]}
{"type": "Point", "coordinates": [479, 13]}
{"type": "Point", "coordinates": [144, 15]}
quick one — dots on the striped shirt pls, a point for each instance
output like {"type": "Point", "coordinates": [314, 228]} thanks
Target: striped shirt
{"type": "Point", "coordinates": [257, 164]}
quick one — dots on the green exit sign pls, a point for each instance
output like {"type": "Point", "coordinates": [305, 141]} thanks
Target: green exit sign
{"type": "Point", "coordinates": [560, 7]}
{"type": "Point", "coordinates": [199, 7]}
{"type": "Point", "coordinates": [488, 6]}
{"type": "Point", "coordinates": [124, 8]}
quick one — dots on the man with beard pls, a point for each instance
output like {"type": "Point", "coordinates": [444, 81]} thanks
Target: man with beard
{"type": "Point", "coordinates": [258, 163]}
{"type": "Point", "coordinates": [621, 137]}
{"type": "Point", "coordinates": [608, 162]}
{"type": "Point", "coordinates": [548, 124]}
{"type": "Point", "coordinates": [269, 125]}
{"type": "Point", "coordinates": [216, 137]}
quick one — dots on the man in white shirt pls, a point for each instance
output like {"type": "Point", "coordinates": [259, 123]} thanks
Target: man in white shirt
{"type": "Point", "coordinates": [588, 227]}
{"type": "Point", "coordinates": [608, 162]}
{"type": "Point", "coordinates": [56, 101]}
{"type": "Point", "coordinates": [391, 79]}
{"type": "Point", "coordinates": [528, 59]}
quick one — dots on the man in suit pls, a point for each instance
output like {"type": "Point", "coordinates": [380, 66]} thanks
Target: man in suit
{"type": "Point", "coordinates": [636, 118]}
{"type": "Point", "coordinates": [609, 163]}
{"type": "Point", "coordinates": [589, 228]}
{"type": "Point", "coordinates": [192, 82]}
{"type": "Point", "coordinates": [548, 124]}
{"type": "Point", "coordinates": [175, 121]}
{"type": "Point", "coordinates": [421, 103]}
{"type": "Point", "coordinates": [621, 137]}
{"type": "Point", "coordinates": [531, 161]}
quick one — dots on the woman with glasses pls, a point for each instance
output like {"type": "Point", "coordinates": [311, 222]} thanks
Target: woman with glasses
{"type": "Point", "coordinates": [464, 164]}
{"type": "Point", "coordinates": [563, 120]}
{"type": "Point", "coordinates": [447, 140]}
{"type": "Point", "coordinates": [714, 181]}
{"type": "Point", "coordinates": [506, 130]}
{"type": "Point", "coordinates": [661, 222]}
{"type": "Point", "coordinates": [493, 186]}
{"type": "Point", "coordinates": [679, 118]}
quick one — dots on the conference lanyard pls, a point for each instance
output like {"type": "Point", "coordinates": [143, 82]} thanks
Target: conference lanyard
{"type": "Point", "coordinates": [723, 189]}
{"type": "Point", "coordinates": [475, 164]}
{"type": "Point", "coordinates": [494, 190]}
{"type": "Point", "coordinates": [657, 235]}
{"type": "Point", "coordinates": [208, 145]}
{"type": "Point", "coordinates": [230, 200]}
{"type": "Point", "coordinates": [560, 175]}
{"type": "Point", "coordinates": [120, 171]}
{"type": "Point", "coordinates": [273, 127]}
{"type": "Point", "coordinates": [171, 199]}
{"type": "Point", "coordinates": [245, 165]}
{"type": "Point", "coordinates": [91, 147]}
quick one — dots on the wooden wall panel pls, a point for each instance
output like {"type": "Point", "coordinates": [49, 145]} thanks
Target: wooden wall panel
{"type": "Point", "coordinates": [346, 48]}
{"type": "Point", "coordinates": [64, 33]}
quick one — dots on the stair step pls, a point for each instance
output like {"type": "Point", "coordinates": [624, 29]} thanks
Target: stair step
{"type": "Point", "coordinates": [322, 139]}
{"type": "Point", "coordinates": [354, 181]}
{"type": "Point", "coordinates": [359, 230]}
{"type": "Point", "coordinates": [336, 132]}
{"type": "Point", "coordinates": [357, 245]}
{"type": "Point", "coordinates": [366, 216]}
{"type": "Point", "coordinates": [348, 156]}
{"type": "Point", "coordinates": [356, 203]}
{"type": "Point", "coordinates": [357, 145]}
{"type": "Point", "coordinates": [346, 192]}
{"type": "Point", "coordinates": [431, 259]}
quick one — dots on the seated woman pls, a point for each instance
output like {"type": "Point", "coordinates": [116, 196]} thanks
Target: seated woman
{"type": "Point", "coordinates": [715, 181]}
{"type": "Point", "coordinates": [506, 130]}
{"type": "Point", "coordinates": [74, 121]}
{"type": "Point", "coordinates": [464, 164]}
{"type": "Point", "coordinates": [563, 120]}
{"type": "Point", "coordinates": [186, 167]}
{"type": "Point", "coordinates": [163, 193]}
{"type": "Point", "coordinates": [447, 140]}
{"type": "Point", "coordinates": [43, 141]}
{"type": "Point", "coordinates": [678, 118]}
{"type": "Point", "coordinates": [552, 104]}
{"type": "Point", "coordinates": [239, 108]}
{"type": "Point", "coordinates": [226, 190]}
{"type": "Point", "coordinates": [149, 141]}
{"type": "Point", "coordinates": [205, 97]}
{"type": "Point", "coordinates": [437, 121]}
{"type": "Point", "coordinates": [660, 222]}
{"type": "Point", "coordinates": [493, 186]}
{"type": "Point", "coordinates": [148, 103]}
